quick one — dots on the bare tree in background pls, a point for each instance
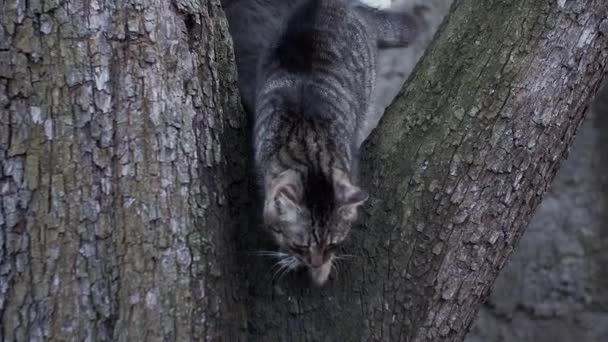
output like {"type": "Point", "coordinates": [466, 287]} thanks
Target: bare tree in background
{"type": "Point", "coordinates": [125, 213]}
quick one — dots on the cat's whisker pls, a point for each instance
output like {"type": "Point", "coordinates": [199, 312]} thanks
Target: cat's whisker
{"type": "Point", "coordinates": [295, 265]}
{"type": "Point", "coordinates": [283, 265]}
{"type": "Point", "coordinates": [277, 266]}
{"type": "Point", "coordinates": [286, 267]}
{"type": "Point", "coordinates": [272, 254]}
{"type": "Point", "coordinates": [334, 266]}
{"type": "Point", "coordinates": [268, 252]}
{"type": "Point", "coordinates": [289, 268]}
{"type": "Point", "coordinates": [344, 257]}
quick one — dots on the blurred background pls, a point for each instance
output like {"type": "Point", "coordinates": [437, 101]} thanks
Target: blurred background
{"type": "Point", "coordinates": [555, 285]}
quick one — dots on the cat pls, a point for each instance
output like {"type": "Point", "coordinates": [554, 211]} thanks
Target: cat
{"type": "Point", "coordinates": [306, 73]}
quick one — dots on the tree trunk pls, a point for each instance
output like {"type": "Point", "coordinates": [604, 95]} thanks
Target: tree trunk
{"type": "Point", "coordinates": [124, 179]}
{"type": "Point", "coordinates": [119, 133]}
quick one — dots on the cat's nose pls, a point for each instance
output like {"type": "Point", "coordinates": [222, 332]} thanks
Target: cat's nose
{"type": "Point", "coordinates": [316, 260]}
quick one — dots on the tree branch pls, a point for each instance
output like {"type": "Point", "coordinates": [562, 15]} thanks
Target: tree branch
{"type": "Point", "coordinates": [470, 146]}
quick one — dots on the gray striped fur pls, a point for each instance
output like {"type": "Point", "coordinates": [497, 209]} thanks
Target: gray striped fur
{"type": "Point", "coordinates": [307, 70]}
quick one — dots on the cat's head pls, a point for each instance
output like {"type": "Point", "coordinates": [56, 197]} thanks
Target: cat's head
{"type": "Point", "coordinates": [310, 216]}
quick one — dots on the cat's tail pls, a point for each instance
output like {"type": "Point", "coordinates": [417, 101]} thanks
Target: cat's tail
{"type": "Point", "coordinates": [393, 29]}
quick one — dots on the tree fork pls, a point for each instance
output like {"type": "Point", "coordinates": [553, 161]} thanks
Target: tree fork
{"type": "Point", "coordinates": [124, 162]}
{"type": "Point", "coordinates": [456, 167]}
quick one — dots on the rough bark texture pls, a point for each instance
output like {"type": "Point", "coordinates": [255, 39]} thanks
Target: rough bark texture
{"type": "Point", "coordinates": [554, 288]}
{"type": "Point", "coordinates": [117, 121]}
{"type": "Point", "coordinates": [483, 137]}
{"type": "Point", "coordinates": [124, 178]}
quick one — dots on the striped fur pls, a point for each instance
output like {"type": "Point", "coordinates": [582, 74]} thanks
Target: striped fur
{"type": "Point", "coordinates": [307, 70]}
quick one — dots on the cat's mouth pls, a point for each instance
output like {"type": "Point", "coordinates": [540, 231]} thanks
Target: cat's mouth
{"type": "Point", "coordinates": [320, 274]}
{"type": "Point", "coordinates": [318, 271]}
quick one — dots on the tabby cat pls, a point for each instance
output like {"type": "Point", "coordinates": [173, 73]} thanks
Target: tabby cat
{"type": "Point", "coordinates": [307, 71]}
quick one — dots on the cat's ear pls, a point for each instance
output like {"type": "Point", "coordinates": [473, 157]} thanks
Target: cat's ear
{"type": "Point", "coordinates": [348, 207]}
{"type": "Point", "coordinates": [349, 196]}
{"type": "Point", "coordinates": [283, 198]}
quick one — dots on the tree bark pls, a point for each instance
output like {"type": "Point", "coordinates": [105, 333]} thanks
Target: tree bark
{"type": "Point", "coordinates": [125, 209]}
{"type": "Point", "coordinates": [119, 133]}
{"type": "Point", "coordinates": [474, 145]}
